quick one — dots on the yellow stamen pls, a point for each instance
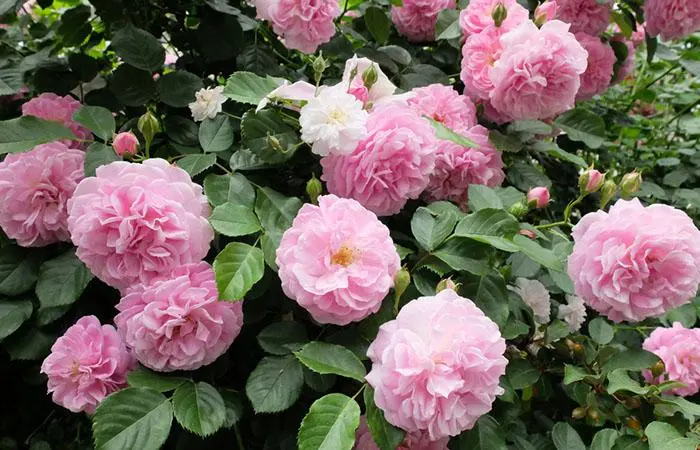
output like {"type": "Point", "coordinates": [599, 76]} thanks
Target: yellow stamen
{"type": "Point", "coordinates": [344, 256]}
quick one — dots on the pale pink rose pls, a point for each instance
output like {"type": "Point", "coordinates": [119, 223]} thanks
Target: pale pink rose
{"type": "Point", "coordinates": [445, 105]}
{"type": "Point", "coordinates": [546, 11]}
{"type": "Point", "coordinates": [390, 166]}
{"type": "Point", "coordinates": [416, 19]}
{"type": "Point", "coordinates": [635, 262]}
{"type": "Point", "coordinates": [479, 54]}
{"type": "Point", "coordinates": [627, 67]}
{"type": "Point", "coordinates": [133, 222]}
{"type": "Point", "coordinates": [177, 322]}
{"type": "Point", "coordinates": [672, 19]}
{"type": "Point", "coordinates": [457, 167]}
{"type": "Point", "coordinates": [538, 197]}
{"type": "Point", "coordinates": [355, 68]}
{"type": "Point", "coordinates": [290, 96]}
{"type": "Point", "coordinates": [302, 24]}
{"type": "Point", "coordinates": [601, 60]}
{"type": "Point", "coordinates": [436, 367]}
{"type": "Point", "coordinates": [539, 71]}
{"type": "Point", "coordinates": [125, 143]}
{"type": "Point", "coordinates": [86, 364]}
{"type": "Point", "coordinates": [678, 349]}
{"type": "Point", "coordinates": [34, 190]}
{"type": "Point", "coordinates": [587, 16]}
{"type": "Point", "coordinates": [478, 16]}
{"type": "Point", "coordinates": [49, 106]}
{"type": "Point", "coordinates": [337, 261]}
{"type": "Point", "coordinates": [414, 441]}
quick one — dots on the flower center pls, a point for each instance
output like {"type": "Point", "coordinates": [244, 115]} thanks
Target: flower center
{"type": "Point", "coordinates": [75, 369]}
{"type": "Point", "coordinates": [337, 116]}
{"type": "Point", "coordinates": [344, 256]}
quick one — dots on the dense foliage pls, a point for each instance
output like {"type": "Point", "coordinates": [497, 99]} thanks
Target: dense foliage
{"type": "Point", "coordinates": [238, 351]}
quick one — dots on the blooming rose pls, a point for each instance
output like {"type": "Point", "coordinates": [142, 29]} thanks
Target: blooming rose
{"type": "Point", "coordinates": [353, 73]}
{"type": "Point", "coordinates": [337, 261]}
{"type": "Point", "coordinates": [416, 19]}
{"type": "Point", "coordinates": [457, 167]}
{"type": "Point", "coordinates": [208, 103]}
{"type": "Point", "coordinates": [302, 24]}
{"type": "Point", "coordinates": [436, 367]}
{"type": "Point", "coordinates": [536, 296]}
{"type": "Point", "coordinates": [418, 440]}
{"type": "Point", "coordinates": [587, 16]}
{"type": "Point", "coordinates": [678, 349]}
{"type": "Point", "coordinates": [86, 364]}
{"type": "Point", "coordinates": [333, 121]}
{"type": "Point", "coordinates": [390, 166]}
{"type": "Point", "coordinates": [479, 54]}
{"type": "Point", "coordinates": [539, 71]}
{"type": "Point", "coordinates": [672, 19]}
{"type": "Point", "coordinates": [573, 313]}
{"type": "Point", "coordinates": [176, 322]}
{"type": "Point", "coordinates": [133, 222]}
{"type": "Point", "coordinates": [34, 190]}
{"type": "Point", "coordinates": [445, 105]}
{"type": "Point", "coordinates": [635, 262]}
{"type": "Point", "coordinates": [125, 143]}
{"type": "Point", "coordinates": [601, 60]}
{"type": "Point", "coordinates": [49, 106]}
{"type": "Point", "coordinates": [478, 15]}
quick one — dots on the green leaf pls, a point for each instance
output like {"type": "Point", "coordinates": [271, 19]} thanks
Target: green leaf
{"type": "Point", "coordinates": [275, 384]}
{"type": "Point", "coordinates": [430, 228]}
{"type": "Point", "coordinates": [139, 48]}
{"type": "Point", "coordinates": [490, 295]}
{"type": "Point", "coordinates": [196, 164]}
{"type": "Point", "coordinates": [619, 380]}
{"type": "Point", "coordinates": [61, 282]}
{"type": "Point", "coordinates": [444, 133]}
{"type": "Point", "coordinates": [566, 438]}
{"type": "Point", "coordinates": [326, 358]}
{"type": "Point", "coordinates": [330, 424]}
{"type": "Point", "coordinates": [384, 434]}
{"type": "Point", "coordinates": [234, 220]}
{"type": "Point", "coordinates": [132, 418]}
{"type": "Point", "coordinates": [178, 88]}
{"type": "Point", "coordinates": [604, 439]}
{"type": "Point", "coordinates": [132, 86]}
{"type": "Point", "coordinates": [29, 344]}
{"type": "Point", "coordinates": [10, 80]}
{"type": "Point", "coordinates": [74, 27]}
{"type": "Point", "coordinates": [19, 269]}
{"type": "Point", "coordinates": [556, 330]}
{"type": "Point", "coordinates": [13, 313]}
{"type": "Point", "coordinates": [447, 26]}
{"type": "Point", "coordinates": [216, 135]}
{"type": "Point", "coordinates": [524, 176]}
{"type": "Point", "coordinates": [690, 410]}
{"type": "Point", "coordinates": [378, 23]}
{"type": "Point", "coordinates": [234, 188]}
{"type": "Point", "coordinates": [234, 406]}
{"type": "Point", "coordinates": [244, 159]}
{"type": "Point", "coordinates": [463, 254]}
{"type": "Point", "coordinates": [539, 254]}
{"type": "Point", "coordinates": [247, 87]}
{"type": "Point", "coordinates": [490, 226]}
{"type": "Point", "coordinates": [98, 154]}
{"type": "Point", "coordinates": [664, 436]}
{"type": "Point", "coordinates": [268, 137]}
{"type": "Point", "coordinates": [483, 197]}
{"type": "Point", "coordinates": [96, 119]}
{"type": "Point", "coordinates": [634, 359]}
{"type": "Point", "coordinates": [26, 132]}
{"type": "Point", "coordinates": [601, 331]}
{"type": "Point", "coordinates": [573, 374]}
{"type": "Point", "coordinates": [521, 374]}
{"type": "Point", "coordinates": [529, 126]}
{"type": "Point", "coordinates": [238, 267]}
{"type": "Point", "coordinates": [275, 211]}
{"type": "Point", "coordinates": [582, 125]}
{"type": "Point", "coordinates": [145, 378]}
{"type": "Point", "coordinates": [486, 435]}
{"type": "Point", "coordinates": [283, 338]}
{"type": "Point", "coordinates": [199, 408]}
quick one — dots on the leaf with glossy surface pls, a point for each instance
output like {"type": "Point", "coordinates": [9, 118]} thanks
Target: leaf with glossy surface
{"type": "Point", "coordinates": [566, 438]}
{"type": "Point", "coordinates": [276, 211]}
{"type": "Point", "coordinates": [26, 132]}
{"type": "Point", "coordinates": [178, 88]}
{"type": "Point", "coordinates": [537, 253]}
{"type": "Point", "coordinates": [634, 359]}
{"type": "Point", "coordinates": [664, 436]}
{"type": "Point", "coordinates": [582, 125]}
{"type": "Point", "coordinates": [463, 254]}
{"type": "Point", "coordinates": [494, 227]}
{"type": "Point", "coordinates": [483, 197]}
{"type": "Point", "coordinates": [619, 380]}
{"type": "Point", "coordinates": [247, 87]}
{"type": "Point", "coordinates": [430, 228]}
{"type": "Point", "coordinates": [145, 378]}
{"type": "Point", "coordinates": [282, 338]}
{"type": "Point", "coordinates": [96, 119]}
{"type": "Point", "coordinates": [489, 293]}
{"type": "Point", "coordinates": [601, 331]}
{"type": "Point", "coordinates": [97, 155]}
{"type": "Point", "coordinates": [384, 434]}
{"type": "Point", "coordinates": [378, 23]}
{"type": "Point", "coordinates": [199, 408]}
{"type": "Point", "coordinates": [13, 313]}
{"type": "Point", "coordinates": [238, 267]}
{"type": "Point", "coordinates": [196, 164]}
{"type": "Point", "coordinates": [139, 48]}
{"type": "Point", "coordinates": [330, 424]}
{"type": "Point", "coordinates": [275, 384]}
{"type": "Point", "coordinates": [216, 135]}
{"type": "Point", "coordinates": [326, 358]}
{"type": "Point", "coordinates": [604, 439]}
{"type": "Point", "coordinates": [486, 435]}
{"type": "Point", "coordinates": [444, 133]}
{"type": "Point", "coordinates": [268, 137]}
{"type": "Point", "coordinates": [19, 269]}
{"type": "Point", "coordinates": [234, 188]}
{"type": "Point", "coordinates": [234, 220]}
{"type": "Point", "coordinates": [521, 374]}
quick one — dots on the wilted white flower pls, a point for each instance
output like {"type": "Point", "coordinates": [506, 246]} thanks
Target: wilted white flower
{"type": "Point", "coordinates": [573, 313]}
{"type": "Point", "coordinates": [208, 103]}
{"type": "Point", "coordinates": [536, 296]}
{"type": "Point", "coordinates": [333, 122]}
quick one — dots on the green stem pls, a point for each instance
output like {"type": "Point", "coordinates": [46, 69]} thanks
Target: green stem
{"type": "Point", "coordinates": [239, 439]}
{"type": "Point", "coordinates": [342, 14]}
{"type": "Point", "coordinates": [360, 391]}
{"type": "Point", "coordinates": [683, 111]}
{"type": "Point", "coordinates": [552, 225]}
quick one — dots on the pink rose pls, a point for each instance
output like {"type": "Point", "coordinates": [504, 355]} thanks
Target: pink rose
{"type": "Point", "coordinates": [436, 367]}
{"type": "Point", "coordinates": [546, 11]}
{"type": "Point", "coordinates": [587, 16]}
{"type": "Point", "coordinates": [591, 181]}
{"type": "Point", "coordinates": [86, 364]}
{"type": "Point", "coordinates": [416, 19]}
{"type": "Point", "coordinates": [479, 54]}
{"type": "Point", "coordinates": [177, 322]}
{"type": "Point", "coordinates": [539, 71]}
{"type": "Point", "coordinates": [678, 349]}
{"type": "Point", "coordinates": [49, 106]}
{"type": "Point", "coordinates": [635, 262]}
{"type": "Point", "coordinates": [538, 197]}
{"type": "Point", "coordinates": [457, 167]}
{"type": "Point", "coordinates": [337, 261]}
{"type": "Point", "coordinates": [672, 19]}
{"type": "Point", "coordinates": [478, 16]}
{"type": "Point", "coordinates": [601, 60]}
{"type": "Point", "coordinates": [133, 222]}
{"type": "Point", "coordinates": [353, 74]}
{"type": "Point", "coordinates": [302, 24]}
{"type": "Point", "coordinates": [414, 441]}
{"type": "Point", "coordinates": [34, 190]}
{"type": "Point", "coordinates": [637, 38]}
{"type": "Point", "coordinates": [445, 105]}
{"type": "Point", "coordinates": [125, 143]}
{"type": "Point", "coordinates": [390, 166]}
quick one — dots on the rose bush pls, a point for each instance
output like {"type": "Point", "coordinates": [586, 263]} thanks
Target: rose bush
{"type": "Point", "coordinates": [336, 225]}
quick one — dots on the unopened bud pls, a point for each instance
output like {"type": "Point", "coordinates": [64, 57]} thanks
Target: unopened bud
{"type": "Point", "coordinates": [590, 181]}
{"type": "Point", "coordinates": [447, 283]}
{"type": "Point", "coordinates": [570, 344]}
{"type": "Point", "coordinates": [149, 126]}
{"type": "Point", "coordinates": [631, 182]}
{"type": "Point", "coordinates": [578, 413]}
{"type": "Point", "coordinates": [538, 197]}
{"type": "Point", "coordinates": [314, 189]}
{"type": "Point", "coordinates": [518, 209]}
{"type": "Point", "coordinates": [401, 282]}
{"type": "Point", "coordinates": [632, 403]}
{"type": "Point", "coordinates": [634, 423]}
{"type": "Point", "coordinates": [579, 351]}
{"type": "Point", "coordinates": [527, 233]}
{"type": "Point", "coordinates": [319, 65]}
{"type": "Point", "coordinates": [275, 143]}
{"type": "Point", "coordinates": [370, 77]}
{"type": "Point", "coordinates": [593, 415]}
{"type": "Point", "coordinates": [658, 369]}
{"type": "Point", "coordinates": [499, 14]}
{"type": "Point", "coordinates": [546, 11]}
{"type": "Point", "coordinates": [607, 192]}
{"type": "Point", "coordinates": [125, 143]}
